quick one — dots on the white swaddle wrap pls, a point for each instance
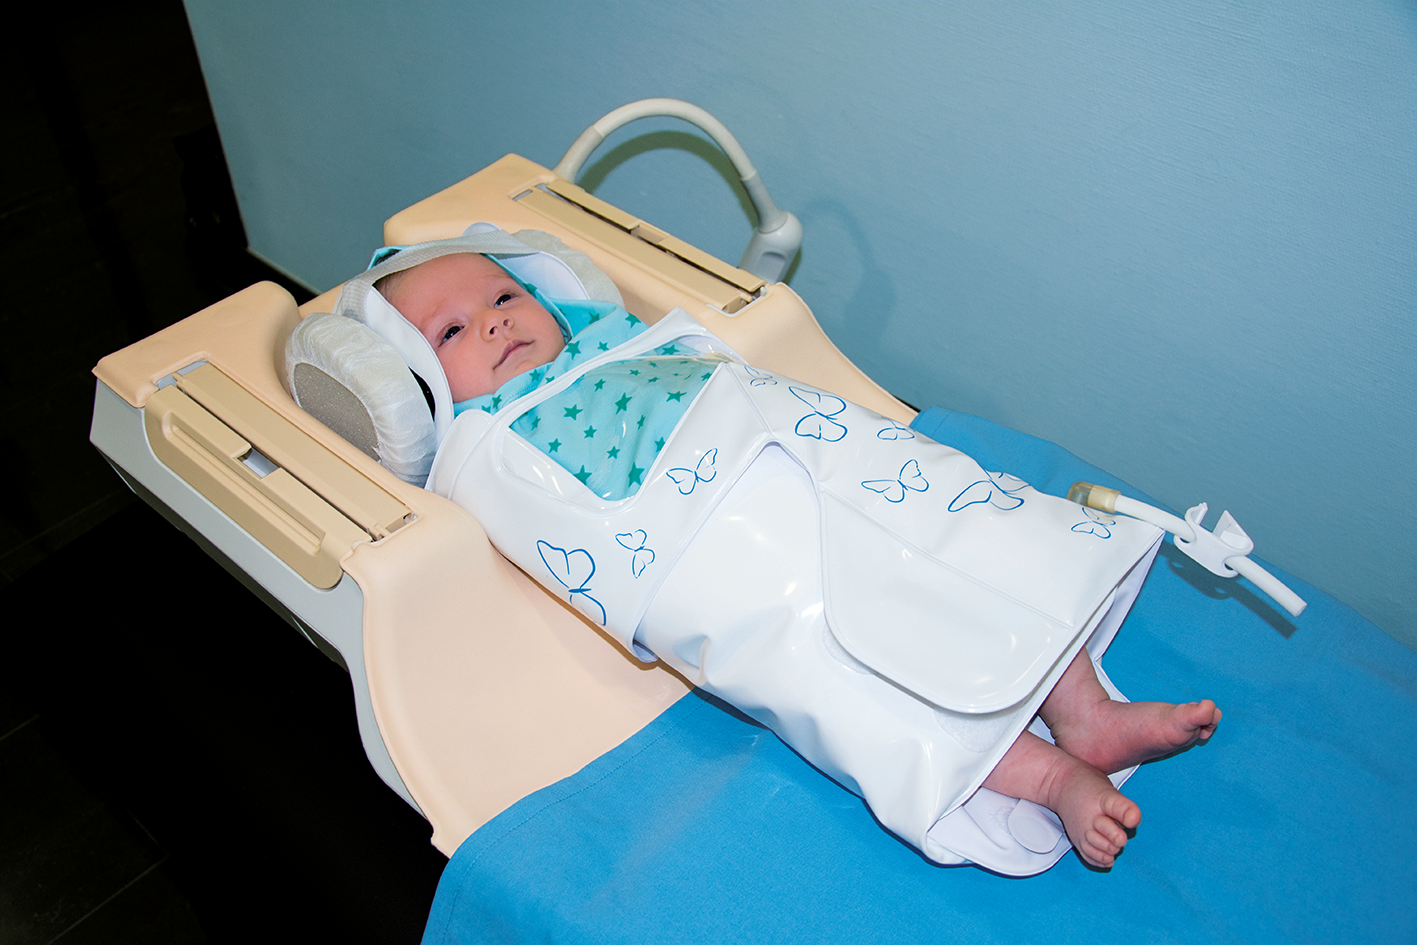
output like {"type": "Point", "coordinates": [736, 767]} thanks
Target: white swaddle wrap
{"type": "Point", "coordinates": [894, 612]}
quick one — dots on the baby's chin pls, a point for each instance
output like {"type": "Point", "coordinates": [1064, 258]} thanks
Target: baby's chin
{"type": "Point", "coordinates": [519, 366]}
{"type": "Point", "coordinates": [467, 390]}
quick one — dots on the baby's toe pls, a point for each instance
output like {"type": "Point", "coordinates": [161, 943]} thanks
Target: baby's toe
{"type": "Point", "coordinates": [1099, 847]}
{"type": "Point", "coordinates": [1203, 718]}
{"type": "Point", "coordinates": [1123, 811]}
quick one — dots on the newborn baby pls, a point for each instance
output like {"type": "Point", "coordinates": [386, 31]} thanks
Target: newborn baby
{"type": "Point", "coordinates": [487, 328]}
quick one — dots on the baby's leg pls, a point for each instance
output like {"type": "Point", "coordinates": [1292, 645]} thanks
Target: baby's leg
{"type": "Point", "coordinates": [1095, 814]}
{"type": "Point", "coordinates": [1110, 736]}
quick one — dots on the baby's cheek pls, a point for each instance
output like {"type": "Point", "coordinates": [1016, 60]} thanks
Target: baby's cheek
{"type": "Point", "coordinates": [466, 381]}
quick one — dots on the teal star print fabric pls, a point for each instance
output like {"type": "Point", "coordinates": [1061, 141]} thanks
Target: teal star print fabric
{"type": "Point", "coordinates": [608, 427]}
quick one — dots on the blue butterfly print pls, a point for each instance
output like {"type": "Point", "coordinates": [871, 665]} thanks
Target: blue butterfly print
{"type": "Point", "coordinates": [998, 490]}
{"type": "Point", "coordinates": [819, 424]}
{"type": "Point", "coordinates": [1096, 524]}
{"type": "Point", "coordinates": [909, 479]}
{"type": "Point", "coordinates": [640, 556]}
{"type": "Point", "coordinates": [895, 432]}
{"type": "Point", "coordinates": [687, 479]}
{"type": "Point", "coordinates": [760, 378]}
{"type": "Point", "coordinates": [572, 569]}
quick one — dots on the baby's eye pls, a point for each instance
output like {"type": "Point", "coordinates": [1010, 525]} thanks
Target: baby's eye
{"type": "Point", "coordinates": [502, 299]}
{"type": "Point", "coordinates": [452, 330]}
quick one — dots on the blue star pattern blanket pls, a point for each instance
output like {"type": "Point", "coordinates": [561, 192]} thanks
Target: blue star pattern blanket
{"type": "Point", "coordinates": [608, 427]}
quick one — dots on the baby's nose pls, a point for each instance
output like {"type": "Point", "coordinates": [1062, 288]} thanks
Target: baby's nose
{"type": "Point", "coordinates": [498, 321]}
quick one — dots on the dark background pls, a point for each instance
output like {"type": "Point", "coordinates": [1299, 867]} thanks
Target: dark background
{"type": "Point", "coordinates": [177, 764]}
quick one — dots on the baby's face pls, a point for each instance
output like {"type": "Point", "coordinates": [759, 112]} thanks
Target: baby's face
{"type": "Point", "coordinates": [485, 328]}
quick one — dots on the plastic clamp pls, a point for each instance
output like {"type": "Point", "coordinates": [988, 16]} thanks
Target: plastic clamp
{"type": "Point", "coordinates": [1212, 549]}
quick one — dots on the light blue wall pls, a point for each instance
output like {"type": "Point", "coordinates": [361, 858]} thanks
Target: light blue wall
{"type": "Point", "coordinates": [1179, 239]}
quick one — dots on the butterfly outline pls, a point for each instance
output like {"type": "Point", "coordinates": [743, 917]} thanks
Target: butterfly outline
{"type": "Point", "coordinates": [895, 432]}
{"type": "Point", "coordinates": [640, 556]}
{"type": "Point", "coordinates": [566, 568]}
{"type": "Point", "coordinates": [827, 428]}
{"type": "Point", "coordinates": [991, 490]}
{"type": "Point", "coordinates": [1095, 524]}
{"type": "Point", "coordinates": [686, 479]}
{"type": "Point", "coordinates": [895, 489]}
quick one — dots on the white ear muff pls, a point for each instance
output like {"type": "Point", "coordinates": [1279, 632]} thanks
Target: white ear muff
{"type": "Point", "coordinates": [357, 384]}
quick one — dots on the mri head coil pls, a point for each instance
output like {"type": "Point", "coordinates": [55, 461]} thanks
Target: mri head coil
{"type": "Point", "coordinates": [370, 376]}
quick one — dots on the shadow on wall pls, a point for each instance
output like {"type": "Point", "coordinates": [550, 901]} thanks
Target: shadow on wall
{"type": "Point", "coordinates": [866, 312]}
{"type": "Point", "coordinates": [687, 143]}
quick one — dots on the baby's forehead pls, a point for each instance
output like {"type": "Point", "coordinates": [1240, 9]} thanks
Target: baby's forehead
{"type": "Point", "coordinates": [457, 267]}
{"type": "Point", "coordinates": [452, 267]}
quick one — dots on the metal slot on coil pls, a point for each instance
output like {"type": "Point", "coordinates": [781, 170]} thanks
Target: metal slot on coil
{"type": "Point", "coordinates": [307, 506]}
{"type": "Point", "coordinates": [703, 276]}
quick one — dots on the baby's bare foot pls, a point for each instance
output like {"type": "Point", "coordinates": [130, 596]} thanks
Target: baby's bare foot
{"type": "Point", "coordinates": [1111, 735]}
{"type": "Point", "coordinates": [1095, 814]}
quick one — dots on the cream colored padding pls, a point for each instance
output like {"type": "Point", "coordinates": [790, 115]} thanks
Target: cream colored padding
{"type": "Point", "coordinates": [356, 384]}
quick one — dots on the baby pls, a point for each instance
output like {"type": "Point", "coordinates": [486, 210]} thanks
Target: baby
{"type": "Point", "coordinates": [486, 328]}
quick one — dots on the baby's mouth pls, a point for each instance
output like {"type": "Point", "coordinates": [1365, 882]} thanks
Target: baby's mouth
{"type": "Point", "coordinates": [507, 352]}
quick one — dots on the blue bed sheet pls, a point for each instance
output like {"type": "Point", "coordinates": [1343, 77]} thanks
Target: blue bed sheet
{"type": "Point", "coordinates": [1297, 823]}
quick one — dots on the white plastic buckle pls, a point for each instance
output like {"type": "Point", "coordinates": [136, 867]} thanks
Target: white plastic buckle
{"type": "Point", "coordinates": [1212, 549]}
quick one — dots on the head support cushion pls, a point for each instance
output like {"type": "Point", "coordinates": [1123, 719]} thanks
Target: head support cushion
{"type": "Point", "coordinates": [369, 375]}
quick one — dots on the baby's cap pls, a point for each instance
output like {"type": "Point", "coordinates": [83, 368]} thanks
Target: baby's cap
{"type": "Point", "coordinates": [545, 275]}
